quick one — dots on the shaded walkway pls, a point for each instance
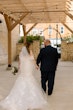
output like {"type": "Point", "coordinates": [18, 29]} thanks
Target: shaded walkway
{"type": "Point", "coordinates": [62, 97]}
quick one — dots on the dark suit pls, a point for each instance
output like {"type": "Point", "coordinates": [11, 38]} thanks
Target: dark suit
{"type": "Point", "coordinates": [48, 57]}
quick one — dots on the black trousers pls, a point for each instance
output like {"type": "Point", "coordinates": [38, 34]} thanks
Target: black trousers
{"type": "Point", "coordinates": [50, 77]}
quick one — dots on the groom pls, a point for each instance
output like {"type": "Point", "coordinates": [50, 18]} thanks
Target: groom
{"type": "Point", "coordinates": [48, 58]}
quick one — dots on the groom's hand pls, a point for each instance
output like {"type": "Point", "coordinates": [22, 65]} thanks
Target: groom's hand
{"type": "Point", "coordinates": [37, 67]}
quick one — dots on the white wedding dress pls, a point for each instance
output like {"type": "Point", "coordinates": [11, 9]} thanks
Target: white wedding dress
{"type": "Point", "coordinates": [26, 93]}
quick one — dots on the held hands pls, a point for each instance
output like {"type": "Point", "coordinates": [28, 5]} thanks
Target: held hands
{"type": "Point", "coordinates": [37, 67]}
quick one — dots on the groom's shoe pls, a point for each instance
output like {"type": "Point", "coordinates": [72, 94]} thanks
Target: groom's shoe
{"type": "Point", "coordinates": [49, 93]}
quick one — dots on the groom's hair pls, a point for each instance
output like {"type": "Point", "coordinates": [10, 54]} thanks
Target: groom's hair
{"type": "Point", "coordinates": [47, 41]}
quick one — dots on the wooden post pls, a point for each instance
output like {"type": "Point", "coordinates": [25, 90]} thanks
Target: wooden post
{"type": "Point", "coordinates": [24, 30]}
{"type": "Point", "coordinates": [10, 27]}
{"type": "Point", "coordinates": [9, 49]}
{"type": "Point", "coordinates": [8, 23]}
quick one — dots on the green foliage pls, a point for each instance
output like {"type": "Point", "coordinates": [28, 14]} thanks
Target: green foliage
{"type": "Point", "coordinates": [58, 45]}
{"type": "Point", "coordinates": [72, 35]}
{"type": "Point", "coordinates": [21, 40]}
{"type": "Point", "coordinates": [68, 38]}
{"type": "Point", "coordinates": [29, 39]}
{"type": "Point", "coordinates": [41, 40]}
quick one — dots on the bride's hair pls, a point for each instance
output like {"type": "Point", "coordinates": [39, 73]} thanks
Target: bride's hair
{"type": "Point", "coordinates": [27, 44]}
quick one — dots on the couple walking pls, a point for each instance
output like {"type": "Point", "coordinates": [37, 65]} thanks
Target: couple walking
{"type": "Point", "coordinates": [26, 93]}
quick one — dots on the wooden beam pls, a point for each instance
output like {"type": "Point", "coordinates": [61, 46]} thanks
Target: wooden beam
{"type": "Point", "coordinates": [67, 27]}
{"type": "Point", "coordinates": [70, 15]}
{"type": "Point", "coordinates": [7, 19]}
{"type": "Point", "coordinates": [18, 21]}
{"type": "Point", "coordinates": [31, 28]}
{"type": "Point", "coordinates": [24, 31]}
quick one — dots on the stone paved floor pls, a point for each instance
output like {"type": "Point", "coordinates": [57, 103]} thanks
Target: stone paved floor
{"type": "Point", "coordinates": [62, 97]}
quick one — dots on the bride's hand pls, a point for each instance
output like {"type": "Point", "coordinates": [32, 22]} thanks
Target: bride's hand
{"type": "Point", "coordinates": [37, 67]}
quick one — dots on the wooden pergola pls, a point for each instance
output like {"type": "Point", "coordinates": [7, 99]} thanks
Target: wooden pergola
{"type": "Point", "coordinates": [33, 11]}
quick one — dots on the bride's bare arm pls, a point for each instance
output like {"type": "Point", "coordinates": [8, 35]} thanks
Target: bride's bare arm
{"type": "Point", "coordinates": [19, 64]}
{"type": "Point", "coordinates": [31, 53]}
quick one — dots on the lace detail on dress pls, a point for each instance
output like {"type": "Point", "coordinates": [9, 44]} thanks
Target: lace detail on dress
{"type": "Point", "coordinates": [26, 93]}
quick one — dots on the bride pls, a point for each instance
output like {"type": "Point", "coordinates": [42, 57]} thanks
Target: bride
{"type": "Point", "coordinates": [26, 94]}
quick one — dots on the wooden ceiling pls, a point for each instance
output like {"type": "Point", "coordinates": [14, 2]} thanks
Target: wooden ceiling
{"type": "Point", "coordinates": [39, 11]}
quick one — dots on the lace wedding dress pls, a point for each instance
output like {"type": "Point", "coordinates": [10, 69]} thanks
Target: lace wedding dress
{"type": "Point", "coordinates": [26, 94]}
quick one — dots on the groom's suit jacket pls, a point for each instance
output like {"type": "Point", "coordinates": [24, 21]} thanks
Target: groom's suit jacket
{"type": "Point", "coordinates": [48, 58]}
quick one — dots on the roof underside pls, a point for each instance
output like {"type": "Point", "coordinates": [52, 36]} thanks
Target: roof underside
{"type": "Point", "coordinates": [39, 11]}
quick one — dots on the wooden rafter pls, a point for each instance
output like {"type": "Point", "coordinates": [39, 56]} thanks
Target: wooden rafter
{"type": "Point", "coordinates": [9, 23]}
{"type": "Point", "coordinates": [18, 21]}
{"type": "Point", "coordinates": [43, 11]}
{"type": "Point", "coordinates": [7, 19]}
{"type": "Point", "coordinates": [31, 28]}
{"type": "Point", "coordinates": [46, 7]}
{"type": "Point", "coordinates": [24, 30]}
{"type": "Point", "coordinates": [70, 15]}
{"type": "Point", "coordinates": [67, 27]}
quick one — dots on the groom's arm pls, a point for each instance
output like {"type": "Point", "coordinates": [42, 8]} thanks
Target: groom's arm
{"type": "Point", "coordinates": [56, 59]}
{"type": "Point", "coordinates": [39, 58]}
